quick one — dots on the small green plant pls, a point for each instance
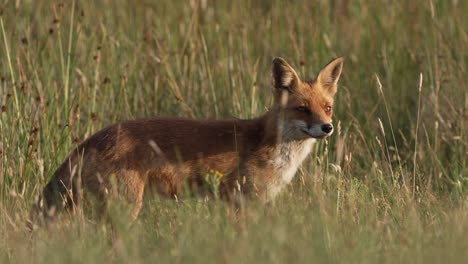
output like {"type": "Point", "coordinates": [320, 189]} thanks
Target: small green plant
{"type": "Point", "coordinates": [213, 181]}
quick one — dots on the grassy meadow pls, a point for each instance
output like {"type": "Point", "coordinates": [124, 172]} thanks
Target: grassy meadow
{"type": "Point", "coordinates": [390, 186]}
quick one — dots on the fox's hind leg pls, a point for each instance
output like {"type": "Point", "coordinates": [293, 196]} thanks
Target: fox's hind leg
{"type": "Point", "coordinates": [104, 190]}
{"type": "Point", "coordinates": [133, 186]}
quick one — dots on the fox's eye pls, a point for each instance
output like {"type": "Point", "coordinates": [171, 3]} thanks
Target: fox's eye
{"type": "Point", "coordinates": [302, 109]}
{"type": "Point", "coordinates": [328, 109]}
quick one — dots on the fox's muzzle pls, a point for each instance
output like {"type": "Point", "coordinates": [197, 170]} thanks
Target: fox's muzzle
{"type": "Point", "coordinates": [327, 128]}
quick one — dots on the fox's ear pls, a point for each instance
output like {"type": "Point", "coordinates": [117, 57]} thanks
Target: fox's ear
{"type": "Point", "coordinates": [284, 76]}
{"type": "Point", "coordinates": [330, 74]}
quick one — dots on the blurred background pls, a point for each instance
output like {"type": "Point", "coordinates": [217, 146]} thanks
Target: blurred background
{"type": "Point", "coordinates": [391, 184]}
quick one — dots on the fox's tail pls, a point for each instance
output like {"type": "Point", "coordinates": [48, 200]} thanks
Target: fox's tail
{"type": "Point", "coordinates": [60, 193]}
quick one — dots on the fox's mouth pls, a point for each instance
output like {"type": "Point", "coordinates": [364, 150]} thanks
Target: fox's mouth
{"type": "Point", "coordinates": [307, 132]}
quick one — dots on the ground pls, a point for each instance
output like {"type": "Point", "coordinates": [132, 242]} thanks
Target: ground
{"type": "Point", "coordinates": [389, 186]}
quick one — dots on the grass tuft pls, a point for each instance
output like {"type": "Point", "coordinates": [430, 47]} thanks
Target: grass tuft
{"type": "Point", "coordinates": [390, 186]}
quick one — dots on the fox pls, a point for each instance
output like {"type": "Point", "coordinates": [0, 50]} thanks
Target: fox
{"type": "Point", "coordinates": [258, 157]}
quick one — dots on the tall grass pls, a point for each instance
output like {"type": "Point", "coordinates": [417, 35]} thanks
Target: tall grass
{"type": "Point", "coordinates": [390, 186]}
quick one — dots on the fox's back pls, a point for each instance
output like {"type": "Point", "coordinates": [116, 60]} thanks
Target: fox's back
{"type": "Point", "coordinates": [175, 140]}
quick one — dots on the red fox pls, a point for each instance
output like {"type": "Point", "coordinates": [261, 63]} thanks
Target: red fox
{"type": "Point", "coordinates": [257, 157]}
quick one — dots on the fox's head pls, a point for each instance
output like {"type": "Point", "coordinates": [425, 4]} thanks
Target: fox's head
{"type": "Point", "coordinates": [306, 107]}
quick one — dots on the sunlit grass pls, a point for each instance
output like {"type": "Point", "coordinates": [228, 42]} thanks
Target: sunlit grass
{"type": "Point", "coordinates": [390, 186]}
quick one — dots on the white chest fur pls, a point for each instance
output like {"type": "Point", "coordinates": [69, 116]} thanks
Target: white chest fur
{"type": "Point", "coordinates": [288, 157]}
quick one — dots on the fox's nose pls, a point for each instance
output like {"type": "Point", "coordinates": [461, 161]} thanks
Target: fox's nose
{"type": "Point", "coordinates": [327, 128]}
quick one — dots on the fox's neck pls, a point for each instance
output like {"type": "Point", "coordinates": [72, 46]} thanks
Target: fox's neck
{"type": "Point", "coordinates": [285, 154]}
